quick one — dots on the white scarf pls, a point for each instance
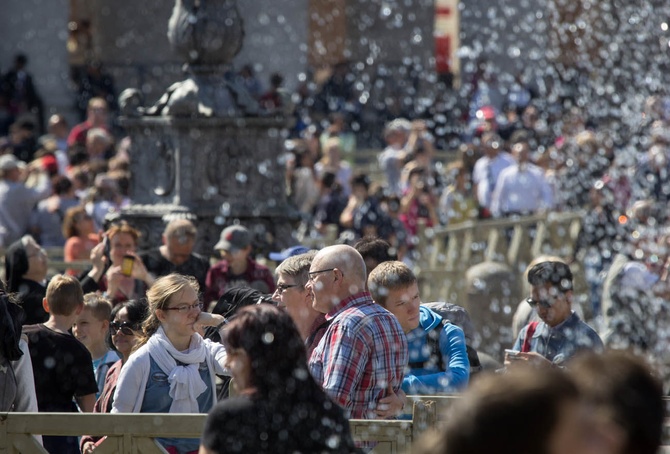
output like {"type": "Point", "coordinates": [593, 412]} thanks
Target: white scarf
{"type": "Point", "coordinates": [185, 382]}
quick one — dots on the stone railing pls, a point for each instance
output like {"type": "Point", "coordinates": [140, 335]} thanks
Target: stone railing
{"type": "Point", "coordinates": [446, 253]}
{"type": "Point", "coordinates": [134, 433]}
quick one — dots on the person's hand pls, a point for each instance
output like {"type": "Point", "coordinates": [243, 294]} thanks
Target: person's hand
{"type": "Point", "coordinates": [527, 358]}
{"type": "Point", "coordinates": [114, 279]}
{"type": "Point", "coordinates": [209, 319]}
{"type": "Point", "coordinates": [89, 447]}
{"type": "Point", "coordinates": [418, 125]}
{"type": "Point", "coordinates": [140, 271]}
{"type": "Point", "coordinates": [391, 405]}
{"type": "Point", "coordinates": [97, 256]}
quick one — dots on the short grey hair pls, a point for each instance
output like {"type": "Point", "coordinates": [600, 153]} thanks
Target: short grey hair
{"type": "Point", "coordinates": [297, 267]}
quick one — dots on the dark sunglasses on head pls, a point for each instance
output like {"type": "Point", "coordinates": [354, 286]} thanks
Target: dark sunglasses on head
{"type": "Point", "coordinates": [125, 327]}
{"type": "Point", "coordinates": [541, 302]}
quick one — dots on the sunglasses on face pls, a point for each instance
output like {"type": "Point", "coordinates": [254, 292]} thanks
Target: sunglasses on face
{"type": "Point", "coordinates": [542, 302]}
{"type": "Point", "coordinates": [125, 327]}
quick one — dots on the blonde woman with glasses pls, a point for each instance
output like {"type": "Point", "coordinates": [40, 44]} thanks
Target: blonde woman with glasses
{"type": "Point", "coordinates": [172, 369]}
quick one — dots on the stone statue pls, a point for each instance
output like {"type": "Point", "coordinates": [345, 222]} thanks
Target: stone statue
{"type": "Point", "coordinates": [207, 34]}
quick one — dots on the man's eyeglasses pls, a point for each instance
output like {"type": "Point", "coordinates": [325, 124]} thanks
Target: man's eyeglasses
{"type": "Point", "coordinates": [126, 328]}
{"type": "Point", "coordinates": [184, 308]}
{"type": "Point", "coordinates": [282, 287]}
{"type": "Point", "coordinates": [312, 274]}
{"type": "Point", "coordinates": [542, 302]}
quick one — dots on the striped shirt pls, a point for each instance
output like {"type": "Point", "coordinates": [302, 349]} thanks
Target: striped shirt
{"type": "Point", "coordinates": [362, 352]}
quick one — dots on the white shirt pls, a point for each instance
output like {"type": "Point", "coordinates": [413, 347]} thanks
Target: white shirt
{"type": "Point", "coordinates": [390, 162]}
{"type": "Point", "coordinates": [521, 190]}
{"type": "Point", "coordinates": [486, 181]}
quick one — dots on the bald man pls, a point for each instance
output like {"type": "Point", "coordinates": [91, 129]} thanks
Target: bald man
{"type": "Point", "coordinates": [361, 358]}
{"type": "Point", "coordinates": [176, 254]}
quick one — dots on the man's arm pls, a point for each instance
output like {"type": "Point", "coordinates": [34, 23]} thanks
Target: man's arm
{"type": "Point", "coordinates": [455, 357]}
{"type": "Point", "coordinates": [86, 403]}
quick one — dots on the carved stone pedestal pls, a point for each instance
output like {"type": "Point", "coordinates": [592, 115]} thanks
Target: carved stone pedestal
{"type": "Point", "coordinates": [215, 171]}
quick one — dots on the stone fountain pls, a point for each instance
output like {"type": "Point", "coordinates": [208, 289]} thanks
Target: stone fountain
{"type": "Point", "coordinates": [205, 151]}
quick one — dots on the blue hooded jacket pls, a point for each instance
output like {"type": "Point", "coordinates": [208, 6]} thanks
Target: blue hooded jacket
{"type": "Point", "coordinates": [429, 379]}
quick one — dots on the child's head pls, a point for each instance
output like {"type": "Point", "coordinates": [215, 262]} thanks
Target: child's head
{"type": "Point", "coordinates": [92, 323]}
{"type": "Point", "coordinates": [394, 286]}
{"type": "Point", "coordinates": [64, 295]}
{"type": "Point", "coordinates": [389, 277]}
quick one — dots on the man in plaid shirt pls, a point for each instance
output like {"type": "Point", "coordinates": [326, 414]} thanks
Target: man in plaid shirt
{"type": "Point", "coordinates": [361, 358]}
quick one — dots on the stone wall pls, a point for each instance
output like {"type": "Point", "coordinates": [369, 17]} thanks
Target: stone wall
{"type": "Point", "coordinates": [38, 28]}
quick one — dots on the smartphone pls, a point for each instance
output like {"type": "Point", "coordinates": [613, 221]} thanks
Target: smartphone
{"type": "Point", "coordinates": [108, 249]}
{"type": "Point", "coordinates": [127, 265]}
{"type": "Point", "coordinates": [512, 352]}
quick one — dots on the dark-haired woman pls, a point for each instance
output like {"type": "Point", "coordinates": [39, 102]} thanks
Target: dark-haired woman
{"type": "Point", "coordinates": [124, 331]}
{"type": "Point", "coordinates": [280, 408]}
{"type": "Point", "coordinates": [16, 370]}
{"type": "Point", "coordinates": [26, 265]}
{"type": "Point", "coordinates": [26, 270]}
{"type": "Point", "coordinates": [172, 369]}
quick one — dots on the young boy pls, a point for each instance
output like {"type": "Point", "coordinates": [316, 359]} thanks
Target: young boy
{"type": "Point", "coordinates": [62, 365]}
{"type": "Point", "coordinates": [394, 287]}
{"type": "Point", "coordinates": [91, 329]}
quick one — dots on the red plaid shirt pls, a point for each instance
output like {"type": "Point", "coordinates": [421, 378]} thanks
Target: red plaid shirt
{"type": "Point", "coordinates": [362, 352]}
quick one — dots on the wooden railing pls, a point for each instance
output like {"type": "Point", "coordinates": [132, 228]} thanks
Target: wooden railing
{"type": "Point", "coordinates": [134, 433]}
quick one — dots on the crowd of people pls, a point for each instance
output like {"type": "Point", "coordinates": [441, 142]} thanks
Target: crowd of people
{"type": "Point", "coordinates": [342, 332]}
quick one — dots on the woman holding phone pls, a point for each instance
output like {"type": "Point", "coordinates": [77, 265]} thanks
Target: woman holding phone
{"type": "Point", "coordinates": [127, 277]}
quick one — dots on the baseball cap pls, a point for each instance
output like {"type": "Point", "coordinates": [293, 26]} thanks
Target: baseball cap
{"type": "Point", "coordinates": [10, 162]}
{"type": "Point", "coordinates": [288, 252]}
{"type": "Point", "coordinates": [233, 238]}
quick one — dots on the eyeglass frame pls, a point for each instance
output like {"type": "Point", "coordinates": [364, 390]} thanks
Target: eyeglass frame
{"type": "Point", "coordinates": [311, 274]}
{"type": "Point", "coordinates": [186, 308]}
{"type": "Point", "coordinates": [281, 288]}
{"type": "Point", "coordinates": [541, 302]}
{"type": "Point", "coordinates": [115, 327]}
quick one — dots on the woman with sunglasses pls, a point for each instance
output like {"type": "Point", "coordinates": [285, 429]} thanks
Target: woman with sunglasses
{"type": "Point", "coordinates": [280, 408]}
{"type": "Point", "coordinates": [172, 368]}
{"type": "Point", "coordinates": [124, 330]}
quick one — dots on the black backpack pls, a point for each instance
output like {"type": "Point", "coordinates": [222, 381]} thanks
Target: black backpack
{"type": "Point", "coordinates": [8, 385]}
{"type": "Point", "coordinates": [457, 315]}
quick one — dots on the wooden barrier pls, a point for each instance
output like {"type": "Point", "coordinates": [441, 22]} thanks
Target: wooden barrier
{"type": "Point", "coordinates": [134, 433]}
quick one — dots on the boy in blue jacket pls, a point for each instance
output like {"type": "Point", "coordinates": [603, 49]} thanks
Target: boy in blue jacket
{"type": "Point", "coordinates": [438, 360]}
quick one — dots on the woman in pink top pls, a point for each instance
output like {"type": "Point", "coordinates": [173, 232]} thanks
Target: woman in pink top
{"type": "Point", "coordinates": [79, 229]}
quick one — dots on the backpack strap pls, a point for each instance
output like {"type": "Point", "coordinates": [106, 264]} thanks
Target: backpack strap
{"type": "Point", "coordinates": [433, 340]}
{"type": "Point", "coordinates": [532, 326]}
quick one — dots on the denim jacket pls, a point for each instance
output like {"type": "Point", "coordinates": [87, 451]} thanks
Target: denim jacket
{"type": "Point", "coordinates": [563, 341]}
